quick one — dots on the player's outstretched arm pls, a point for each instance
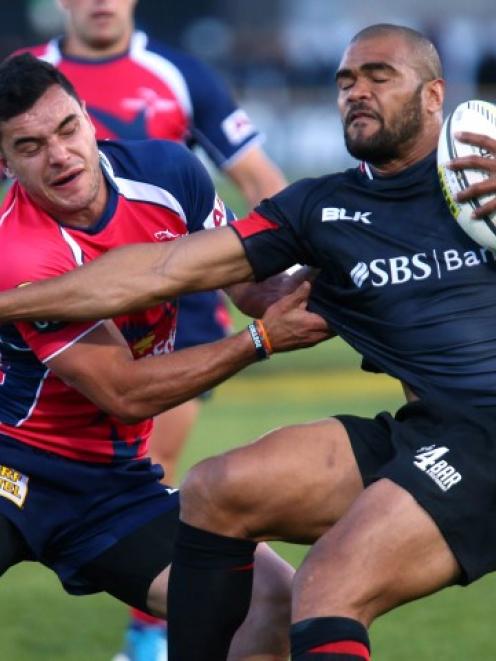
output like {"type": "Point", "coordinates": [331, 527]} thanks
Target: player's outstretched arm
{"type": "Point", "coordinates": [131, 278]}
{"type": "Point", "coordinates": [102, 368]}
{"type": "Point", "coordinates": [486, 163]}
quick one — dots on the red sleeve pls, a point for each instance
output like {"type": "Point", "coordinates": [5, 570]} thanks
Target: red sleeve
{"type": "Point", "coordinates": [49, 338]}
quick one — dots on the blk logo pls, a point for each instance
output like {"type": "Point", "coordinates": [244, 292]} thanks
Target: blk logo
{"type": "Point", "coordinates": [330, 214]}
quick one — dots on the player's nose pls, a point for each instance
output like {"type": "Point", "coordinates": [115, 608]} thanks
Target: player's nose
{"type": "Point", "coordinates": [359, 90]}
{"type": "Point", "coordinates": [57, 152]}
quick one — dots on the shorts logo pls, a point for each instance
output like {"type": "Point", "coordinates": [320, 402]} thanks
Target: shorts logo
{"type": "Point", "coordinates": [13, 485]}
{"type": "Point", "coordinates": [428, 459]}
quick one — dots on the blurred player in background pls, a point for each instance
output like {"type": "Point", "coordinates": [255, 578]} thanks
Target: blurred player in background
{"type": "Point", "coordinates": [135, 88]}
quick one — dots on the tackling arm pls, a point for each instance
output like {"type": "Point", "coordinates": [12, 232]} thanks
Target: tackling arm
{"type": "Point", "coordinates": [131, 278]}
{"type": "Point", "coordinates": [102, 368]}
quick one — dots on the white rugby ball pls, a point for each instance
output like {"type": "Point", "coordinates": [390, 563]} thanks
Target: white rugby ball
{"type": "Point", "coordinates": [476, 117]}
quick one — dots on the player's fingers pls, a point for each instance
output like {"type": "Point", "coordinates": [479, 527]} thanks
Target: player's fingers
{"type": "Point", "coordinates": [299, 297]}
{"type": "Point", "coordinates": [479, 139]}
{"type": "Point", "coordinates": [487, 163]}
{"type": "Point", "coordinates": [484, 209]}
{"type": "Point", "coordinates": [486, 187]}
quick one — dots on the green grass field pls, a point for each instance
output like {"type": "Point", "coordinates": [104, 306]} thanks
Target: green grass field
{"type": "Point", "coordinates": [41, 623]}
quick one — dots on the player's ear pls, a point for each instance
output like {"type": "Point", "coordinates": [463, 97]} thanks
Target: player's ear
{"type": "Point", "coordinates": [5, 168]}
{"type": "Point", "coordinates": [433, 93]}
{"type": "Point", "coordinates": [87, 115]}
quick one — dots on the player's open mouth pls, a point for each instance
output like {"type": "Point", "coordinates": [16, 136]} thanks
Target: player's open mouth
{"type": "Point", "coordinates": [66, 179]}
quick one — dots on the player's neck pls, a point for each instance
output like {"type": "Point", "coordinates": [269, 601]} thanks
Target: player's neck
{"type": "Point", "coordinates": [418, 147]}
{"type": "Point", "coordinates": [75, 47]}
{"type": "Point", "coordinates": [411, 155]}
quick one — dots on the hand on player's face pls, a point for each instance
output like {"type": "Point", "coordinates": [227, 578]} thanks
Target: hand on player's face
{"type": "Point", "coordinates": [485, 162]}
{"type": "Point", "coordinates": [289, 324]}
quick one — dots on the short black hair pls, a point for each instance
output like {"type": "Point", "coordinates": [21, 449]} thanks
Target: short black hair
{"type": "Point", "coordinates": [23, 80]}
{"type": "Point", "coordinates": [427, 61]}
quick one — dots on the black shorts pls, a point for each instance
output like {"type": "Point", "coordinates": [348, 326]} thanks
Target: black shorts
{"type": "Point", "coordinates": [445, 457]}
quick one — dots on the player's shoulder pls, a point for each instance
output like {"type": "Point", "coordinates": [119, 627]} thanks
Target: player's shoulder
{"type": "Point", "coordinates": [33, 246]}
{"type": "Point", "coordinates": [169, 166]}
{"type": "Point", "coordinates": [196, 73]}
{"type": "Point", "coordinates": [182, 59]}
{"type": "Point", "coordinates": [38, 50]}
{"type": "Point", "coordinates": [147, 160]}
{"type": "Point", "coordinates": [310, 190]}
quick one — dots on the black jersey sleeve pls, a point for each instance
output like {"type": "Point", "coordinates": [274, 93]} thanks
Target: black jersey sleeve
{"type": "Point", "coordinates": [273, 234]}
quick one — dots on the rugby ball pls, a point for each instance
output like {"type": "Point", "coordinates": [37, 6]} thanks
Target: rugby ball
{"type": "Point", "coordinates": [476, 117]}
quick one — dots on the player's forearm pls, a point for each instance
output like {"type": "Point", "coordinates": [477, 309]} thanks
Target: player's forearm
{"type": "Point", "coordinates": [124, 279]}
{"type": "Point", "coordinates": [132, 278]}
{"type": "Point", "coordinates": [157, 384]}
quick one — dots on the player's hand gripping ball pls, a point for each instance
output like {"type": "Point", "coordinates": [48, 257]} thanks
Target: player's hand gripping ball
{"type": "Point", "coordinates": [475, 117]}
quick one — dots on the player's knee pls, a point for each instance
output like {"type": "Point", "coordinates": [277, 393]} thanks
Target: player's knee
{"type": "Point", "coordinates": [213, 491]}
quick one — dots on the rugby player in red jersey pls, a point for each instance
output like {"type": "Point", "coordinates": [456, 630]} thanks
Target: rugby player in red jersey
{"type": "Point", "coordinates": [78, 493]}
{"type": "Point", "coordinates": [136, 88]}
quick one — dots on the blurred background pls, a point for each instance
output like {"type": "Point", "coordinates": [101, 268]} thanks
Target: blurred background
{"type": "Point", "coordinates": [279, 57]}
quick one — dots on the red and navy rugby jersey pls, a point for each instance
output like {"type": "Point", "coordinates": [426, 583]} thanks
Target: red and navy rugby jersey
{"type": "Point", "coordinates": [153, 91]}
{"type": "Point", "coordinates": [158, 191]}
{"type": "Point", "coordinates": [399, 281]}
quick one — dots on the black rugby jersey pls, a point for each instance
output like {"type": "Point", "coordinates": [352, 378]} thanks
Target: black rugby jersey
{"type": "Point", "coordinates": [399, 280]}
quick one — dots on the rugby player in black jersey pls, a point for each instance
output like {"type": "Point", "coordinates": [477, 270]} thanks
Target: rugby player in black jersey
{"type": "Point", "coordinates": [396, 507]}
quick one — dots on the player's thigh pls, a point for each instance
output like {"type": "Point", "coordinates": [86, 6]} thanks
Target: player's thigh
{"type": "Point", "coordinates": [128, 569]}
{"type": "Point", "coordinates": [386, 550]}
{"type": "Point", "coordinates": [290, 484]}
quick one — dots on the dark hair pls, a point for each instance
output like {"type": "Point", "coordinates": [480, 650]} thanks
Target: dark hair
{"type": "Point", "coordinates": [23, 80]}
{"type": "Point", "coordinates": [427, 61]}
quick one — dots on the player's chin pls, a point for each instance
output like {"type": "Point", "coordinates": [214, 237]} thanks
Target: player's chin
{"type": "Point", "coordinates": [70, 203]}
{"type": "Point", "coordinates": [363, 147]}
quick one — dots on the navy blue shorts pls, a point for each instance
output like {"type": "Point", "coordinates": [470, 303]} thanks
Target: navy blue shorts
{"type": "Point", "coordinates": [71, 512]}
{"type": "Point", "coordinates": [445, 456]}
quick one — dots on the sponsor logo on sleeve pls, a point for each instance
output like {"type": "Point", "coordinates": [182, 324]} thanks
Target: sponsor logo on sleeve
{"type": "Point", "coordinates": [218, 216]}
{"type": "Point", "coordinates": [237, 127]}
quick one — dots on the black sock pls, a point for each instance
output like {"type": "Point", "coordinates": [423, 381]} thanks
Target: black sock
{"type": "Point", "coordinates": [210, 589]}
{"type": "Point", "coordinates": [329, 639]}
